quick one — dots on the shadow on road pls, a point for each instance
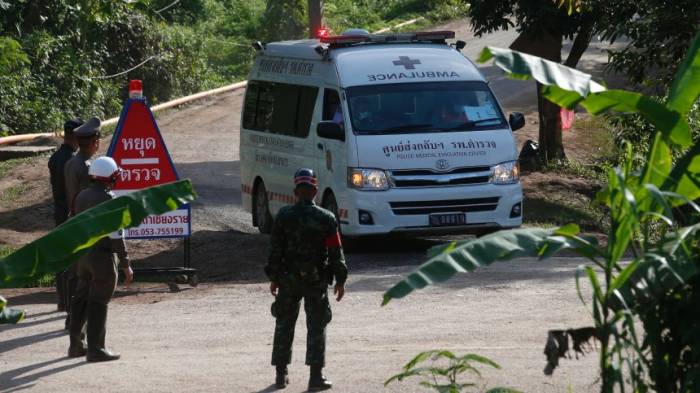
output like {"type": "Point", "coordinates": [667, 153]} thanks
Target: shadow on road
{"type": "Point", "coordinates": [37, 217]}
{"type": "Point", "coordinates": [25, 324]}
{"type": "Point", "coordinates": [497, 277]}
{"type": "Point", "coordinates": [9, 345]}
{"type": "Point", "coordinates": [218, 256]}
{"type": "Point", "coordinates": [268, 389]}
{"type": "Point", "coordinates": [17, 379]}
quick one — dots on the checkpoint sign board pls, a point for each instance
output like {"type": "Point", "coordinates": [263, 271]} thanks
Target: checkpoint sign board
{"type": "Point", "coordinates": [139, 150]}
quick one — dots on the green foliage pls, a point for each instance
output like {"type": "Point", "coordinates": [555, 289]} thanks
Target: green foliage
{"type": "Point", "coordinates": [61, 59]}
{"type": "Point", "coordinates": [69, 241]}
{"type": "Point", "coordinates": [284, 20]}
{"type": "Point", "coordinates": [633, 128]}
{"type": "Point", "coordinates": [657, 34]}
{"type": "Point", "coordinates": [9, 315]}
{"type": "Point", "coordinates": [374, 15]}
{"type": "Point", "coordinates": [445, 379]}
{"type": "Point", "coordinates": [661, 279]}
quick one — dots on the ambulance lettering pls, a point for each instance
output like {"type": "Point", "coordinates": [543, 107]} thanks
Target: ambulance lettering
{"type": "Point", "coordinates": [412, 75]}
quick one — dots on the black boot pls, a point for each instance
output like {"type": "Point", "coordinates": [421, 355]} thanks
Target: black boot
{"type": "Point", "coordinates": [317, 381]}
{"type": "Point", "coordinates": [282, 378]}
{"type": "Point", "coordinates": [96, 331]}
{"type": "Point", "coordinates": [76, 320]}
{"type": "Point", "coordinates": [61, 291]}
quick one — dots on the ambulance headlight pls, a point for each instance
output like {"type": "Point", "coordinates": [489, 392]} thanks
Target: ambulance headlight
{"type": "Point", "coordinates": [506, 173]}
{"type": "Point", "coordinates": [367, 179]}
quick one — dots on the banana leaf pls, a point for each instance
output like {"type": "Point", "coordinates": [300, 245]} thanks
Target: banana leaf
{"type": "Point", "coordinates": [568, 87]}
{"type": "Point", "coordinates": [656, 272]}
{"type": "Point", "coordinates": [686, 84]}
{"type": "Point", "coordinates": [9, 315]}
{"type": "Point", "coordinates": [460, 257]}
{"type": "Point", "coordinates": [68, 242]}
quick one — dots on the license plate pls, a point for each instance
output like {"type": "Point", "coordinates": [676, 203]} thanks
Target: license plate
{"type": "Point", "coordinates": [449, 219]}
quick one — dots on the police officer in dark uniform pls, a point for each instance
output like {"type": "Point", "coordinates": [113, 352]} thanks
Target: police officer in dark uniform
{"type": "Point", "coordinates": [97, 271]}
{"type": "Point", "coordinates": [306, 255]}
{"type": "Point", "coordinates": [76, 178]}
{"type": "Point", "coordinates": [58, 188]}
{"type": "Point", "coordinates": [76, 169]}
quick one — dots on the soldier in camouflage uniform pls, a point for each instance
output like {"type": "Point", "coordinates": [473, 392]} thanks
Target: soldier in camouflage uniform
{"type": "Point", "coordinates": [306, 255]}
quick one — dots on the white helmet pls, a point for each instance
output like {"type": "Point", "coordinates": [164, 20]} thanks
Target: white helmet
{"type": "Point", "coordinates": [104, 168]}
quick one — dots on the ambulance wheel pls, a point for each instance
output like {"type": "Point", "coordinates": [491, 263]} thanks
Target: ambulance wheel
{"type": "Point", "coordinates": [329, 203]}
{"type": "Point", "coordinates": [350, 244]}
{"type": "Point", "coordinates": [261, 209]}
{"type": "Point", "coordinates": [193, 280]}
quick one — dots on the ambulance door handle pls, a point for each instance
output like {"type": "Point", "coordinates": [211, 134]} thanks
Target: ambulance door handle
{"type": "Point", "coordinates": [320, 146]}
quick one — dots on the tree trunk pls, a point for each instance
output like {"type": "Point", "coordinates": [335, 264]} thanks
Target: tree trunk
{"type": "Point", "coordinates": [551, 144]}
{"type": "Point", "coordinates": [548, 46]}
{"type": "Point", "coordinates": [315, 17]}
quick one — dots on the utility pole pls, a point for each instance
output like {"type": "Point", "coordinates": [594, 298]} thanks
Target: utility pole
{"type": "Point", "coordinates": [315, 17]}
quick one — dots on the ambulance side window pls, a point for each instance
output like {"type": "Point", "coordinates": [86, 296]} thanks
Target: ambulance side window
{"type": "Point", "coordinates": [285, 98]}
{"type": "Point", "coordinates": [305, 109]}
{"type": "Point", "coordinates": [331, 106]}
{"type": "Point", "coordinates": [279, 108]}
{"type": "Point", "coordinates": [265, 107]}
{"type": "Point", "coordinates": [250, 105]}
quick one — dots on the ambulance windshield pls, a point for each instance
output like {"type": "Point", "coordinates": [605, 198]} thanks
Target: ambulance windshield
{"type": "Point", "coordinates": [423, 107]}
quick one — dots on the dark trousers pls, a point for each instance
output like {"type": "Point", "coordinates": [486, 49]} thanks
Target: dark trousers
{"type": "Point", "coordinates": [97, 276]}
{"type": "Point", "coordinates": [286, 310]}
{"type": "Point", "coordinates": [65, 280]}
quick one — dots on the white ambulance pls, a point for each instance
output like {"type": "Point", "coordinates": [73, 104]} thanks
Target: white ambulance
{"type": "Point", "coordinates": [403, 131]}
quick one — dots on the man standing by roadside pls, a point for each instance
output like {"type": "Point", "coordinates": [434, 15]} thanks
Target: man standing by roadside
{"type": "Point", "coordinates": [306, 255]}
{"type": "Point", "coordinates": [76, 178]}
{"type": "Point", "coordinates": [76, 169]}
{"type": "Point", "coordinates": [97, 271]}
{"type": "Point", "coordinates": [58, 189]}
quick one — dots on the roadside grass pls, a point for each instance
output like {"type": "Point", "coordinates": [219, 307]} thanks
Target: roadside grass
{"type": "Point", "coordinates": [7, 166]}
{"type": "Point", "coordinates": [12, 194]}
{"type": "Point", "coordinates": [564, 192]}
{"type": "Point", "coordinates": [561, 207]}
{"type": "Point", "coordinates": [597, 134]}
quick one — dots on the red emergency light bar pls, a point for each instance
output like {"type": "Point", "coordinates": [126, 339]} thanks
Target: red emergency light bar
{"type": "Point", "coordinates": [438, 36]}
{"type": "Point", "coordinates": [344, 39]}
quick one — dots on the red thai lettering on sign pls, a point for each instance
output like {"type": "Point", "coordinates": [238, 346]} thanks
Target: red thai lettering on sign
{"type": "Point", "coordinates": [139, 150]}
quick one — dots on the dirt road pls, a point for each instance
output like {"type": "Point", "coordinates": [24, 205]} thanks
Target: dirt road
{"type": "Point", "coordinates": [217, 338]}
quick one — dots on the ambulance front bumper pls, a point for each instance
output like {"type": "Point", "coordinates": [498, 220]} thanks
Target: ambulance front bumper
{"type": "Point", "coordinates": [486, 207]}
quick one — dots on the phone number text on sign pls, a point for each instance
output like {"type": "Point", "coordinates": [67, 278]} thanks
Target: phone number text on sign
{"type": "Point", "coordinates": [175, 223]}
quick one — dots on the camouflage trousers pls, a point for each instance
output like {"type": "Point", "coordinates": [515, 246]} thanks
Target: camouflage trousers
{"type": "Point", "coordinates": [286, 310]}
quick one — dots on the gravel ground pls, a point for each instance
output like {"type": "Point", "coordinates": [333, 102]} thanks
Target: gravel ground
{"type": "Point", "coordinates": [217, 338]}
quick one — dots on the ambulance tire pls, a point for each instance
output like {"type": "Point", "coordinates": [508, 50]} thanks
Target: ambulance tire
{"type": "Point", "coordinates": [261, 209]}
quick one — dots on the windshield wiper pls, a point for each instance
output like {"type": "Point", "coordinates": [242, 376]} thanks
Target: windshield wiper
{"type": "Point", "coordinates": [470, 123]}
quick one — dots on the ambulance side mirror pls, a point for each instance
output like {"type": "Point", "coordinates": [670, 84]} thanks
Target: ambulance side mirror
{"type": "Point", "coordinates": [330, 130]}
{"type": "Point", "coordinates": [516, 120]}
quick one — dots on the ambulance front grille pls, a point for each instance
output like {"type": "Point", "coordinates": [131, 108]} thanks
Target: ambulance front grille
{"type": "Point", "coordinates": [405, 178]}
{"type": "Point", "coordinates": [445, 206]}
